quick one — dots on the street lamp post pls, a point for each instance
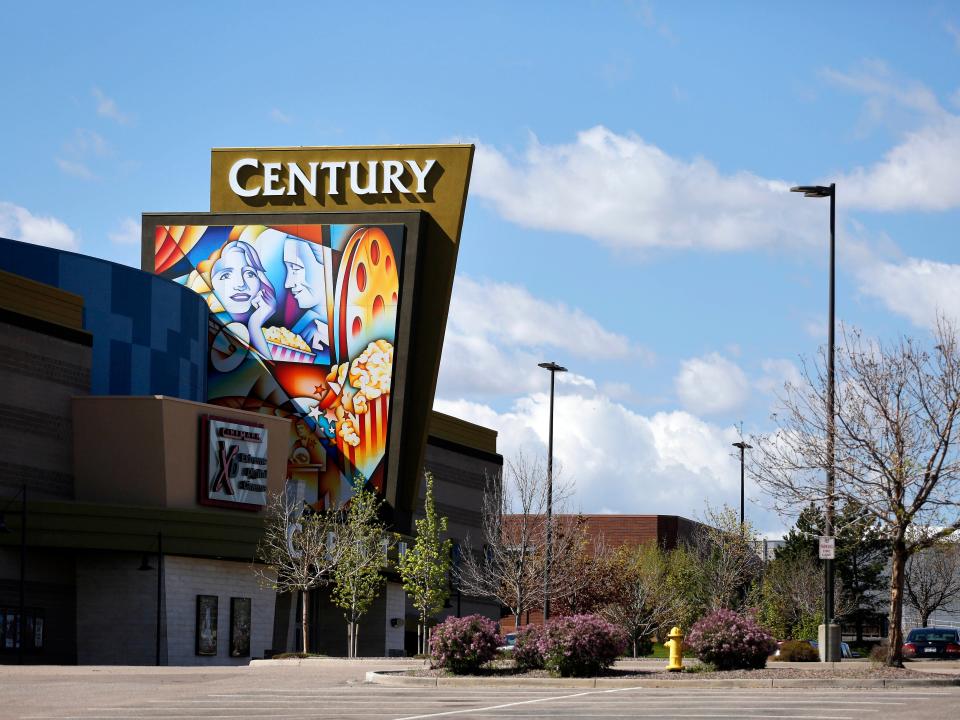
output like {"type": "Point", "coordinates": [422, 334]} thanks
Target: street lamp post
{"type": "Point", "coordinates": [554, 368]}
{"type": "Point", "coordinates": [743, 446]}
{"type": "Point", "coordinates": [820, 191]}
{"type": "Point", "coordinates": [145, 565]}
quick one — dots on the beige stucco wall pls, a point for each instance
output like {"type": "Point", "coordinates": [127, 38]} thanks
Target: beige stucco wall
{"type": "Point", "coordinates": [145, 451]}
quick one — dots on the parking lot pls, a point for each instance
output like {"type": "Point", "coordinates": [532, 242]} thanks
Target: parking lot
{"type": "Point", "coordinates": [337, 691]}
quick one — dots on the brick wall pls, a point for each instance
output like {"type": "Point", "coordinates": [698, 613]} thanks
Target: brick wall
{"type": "Point", "coordinates": [185, 578]}
{"type": "Point", "coordinates": [116, 609]}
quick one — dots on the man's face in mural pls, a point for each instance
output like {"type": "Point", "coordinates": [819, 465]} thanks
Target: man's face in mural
{"type": "Point", "coordinates": [235, 282]}
{"type": "Point", "coordinates": [304, 277]}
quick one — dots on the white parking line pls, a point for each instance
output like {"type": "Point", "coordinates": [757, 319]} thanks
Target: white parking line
{"type": "Point", "coordinates": [513, 704]}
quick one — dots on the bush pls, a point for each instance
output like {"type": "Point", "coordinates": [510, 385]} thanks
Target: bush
{"type": "Point", "coordinates": [462, 645]}
{"type": "Point", "coordinates": [879, 653]}
{"type": "Point", "coordinates": [526, 651]}
{"type": "Point", "coordinates": [580, 645]}
{"type": "Point", "coordinates": [731, 641]}
{"type": "Point", "coordinates": [798, 651]}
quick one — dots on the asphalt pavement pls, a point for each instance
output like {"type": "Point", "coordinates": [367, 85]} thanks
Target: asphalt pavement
{"type": "Point", "coordinates": [336, 690]}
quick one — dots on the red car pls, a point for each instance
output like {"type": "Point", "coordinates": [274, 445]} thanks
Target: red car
{"type": "Point", "coordinates": [932, 643]}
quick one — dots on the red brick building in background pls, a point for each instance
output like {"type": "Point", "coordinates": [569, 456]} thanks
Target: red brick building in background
{"type": "Point", "coordinates": [616, 531]}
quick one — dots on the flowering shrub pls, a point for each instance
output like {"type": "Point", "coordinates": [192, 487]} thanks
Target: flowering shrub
{"type": "Point", "coordinates": [462, 645]}
{"type": "Point", "coordinates": [526, 650]}
{"type": "Point", "coordinates": [731, 641]}
{"type": "Point", "coordinates": [580, 645]}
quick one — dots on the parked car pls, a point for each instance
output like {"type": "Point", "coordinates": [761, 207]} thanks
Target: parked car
{"type": "Point", "coordinates": [845, 652]}
{"type": "Point", "coordinates": [932, 642]}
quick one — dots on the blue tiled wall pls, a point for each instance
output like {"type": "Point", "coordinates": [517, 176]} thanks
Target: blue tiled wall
{"type": "Point", "coordinates": [149, 334]}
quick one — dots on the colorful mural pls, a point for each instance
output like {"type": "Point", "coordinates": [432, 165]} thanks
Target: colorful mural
{"type": "Point", "coordinates": [303, 325]}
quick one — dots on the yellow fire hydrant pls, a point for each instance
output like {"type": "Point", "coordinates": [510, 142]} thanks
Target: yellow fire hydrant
{"type": "Point", "coordinates": [675, 644]}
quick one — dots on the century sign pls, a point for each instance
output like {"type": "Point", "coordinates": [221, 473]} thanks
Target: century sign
{"type": "Point", "coordinates": [368, 178]}
{"type": "Point", "coordinates": [234, 465]}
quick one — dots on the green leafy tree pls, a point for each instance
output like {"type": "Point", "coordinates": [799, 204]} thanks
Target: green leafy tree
{"type": "Point", "coordinates": [363, 545]}
{"type": "Point", "coordinates": [425, 567]}
{"type": "Point", "coordinates": [684, 582]}
{"type": "Point", "coordinates": [862, 550]}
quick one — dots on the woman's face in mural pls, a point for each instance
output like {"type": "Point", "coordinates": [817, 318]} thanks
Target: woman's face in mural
{"type": "Point", "coordinates": [235, 282]}
{"type": "Point", "coordinates": [304, 278]}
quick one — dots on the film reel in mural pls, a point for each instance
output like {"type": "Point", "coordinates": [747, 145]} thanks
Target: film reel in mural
{"type": "Point", "coordinates": [303, 325]}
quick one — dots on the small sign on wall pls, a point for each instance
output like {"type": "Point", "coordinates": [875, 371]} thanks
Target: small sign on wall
{"type": "Point", "coordinates": [207, 606]}
{"type": "Point", "coordinates": [233, 464]}
{"type": "Point", "coordinates": [239, 627]}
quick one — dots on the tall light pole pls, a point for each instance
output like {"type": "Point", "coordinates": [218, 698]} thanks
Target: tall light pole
{"type": "Point", "coordinates": [554, 368]}
{"type": "Point", "coordinates": [821, 191]}
{"type": "Point", "coordinates": [743, 446]}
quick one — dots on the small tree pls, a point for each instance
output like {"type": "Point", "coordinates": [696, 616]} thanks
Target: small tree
{"type": "Point", "coordinates": [297, 550]}
{"type": "Point", "coordinates": [363, 545]}
{"type": "Point", "coordinates": [644, 600]}
{"type": "Point", "coordinates": [425, 567]}
{"type": "Point", "coordinates": [509, 567]}
{"type": "Point", "coordinates": [933, 579]}
{"type": "Point", "coordinates": [726, 558]}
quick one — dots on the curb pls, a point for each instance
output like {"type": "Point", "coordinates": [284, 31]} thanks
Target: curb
{"type": "Point", "coordinates": [399, 678]}
{"type": "Point", "coordinates": [296, 662]}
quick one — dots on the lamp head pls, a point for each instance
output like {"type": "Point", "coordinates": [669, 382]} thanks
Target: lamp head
{"type": "Point", "coordinates": [742, 445]}
{"type": "Point", "coordinates": [552, 367]}
{"type": "Point", "coordinates": [814, 190]}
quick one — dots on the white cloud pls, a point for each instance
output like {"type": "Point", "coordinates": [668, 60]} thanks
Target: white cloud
{"type": "Point", "coordinates": [107, 107]}
{"type": "Point", "coordinates": [711, 384]}
{"type": "Point", "coordinates": [128, 233]}
{"type": "Point", "coordinates": [497, 333]}
{"type": "Point", "coordinates": [916, 288]}
{"type": "Point", "coordinates": [627, 193]}
{"type": "Point", "coordinates": [622, 461]}
{"type": "Point", "coordinates": [17, 223]}
{"type": "Point", "coordinates": [281, 117]}
{"type": "Point", "coordinates": [920, 171]}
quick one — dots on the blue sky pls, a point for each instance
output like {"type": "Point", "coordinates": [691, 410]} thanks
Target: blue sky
{"type": "Point", "coordinates": [628, 213]}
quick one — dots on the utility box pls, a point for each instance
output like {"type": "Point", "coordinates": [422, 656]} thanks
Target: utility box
{"type": "Point", "coordinates": [828, 642]}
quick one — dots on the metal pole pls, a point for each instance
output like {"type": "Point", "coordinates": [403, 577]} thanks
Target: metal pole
{"type": "Point", "coordinates": [22, 619]}
{"type": "Point", "coordinates": [831, 429]}
{"type": "Point", "coordinates": [742, 448]}
{"type": "Point", "coordinates": [546, 574]}
{"type": "Point", "coordinates": [159, 589]}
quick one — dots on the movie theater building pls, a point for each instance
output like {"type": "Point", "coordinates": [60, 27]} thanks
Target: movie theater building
{"type": "Point", "coordinates": [279, 343]}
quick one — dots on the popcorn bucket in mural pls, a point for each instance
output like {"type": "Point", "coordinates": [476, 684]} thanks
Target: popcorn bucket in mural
{"type": "Point", "coordinates": [372, 430]}
{"type": "Point", "coordinates": [284, 353]}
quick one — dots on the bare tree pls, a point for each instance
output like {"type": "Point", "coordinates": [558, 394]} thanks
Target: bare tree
{"type": "Point", "coordinates": [895, 452]}
{"type": "Point", "coordinates": [932, 579]}
{"type": "Point", "coordinates": [508, 567]}
{"type": "Point", "coordinates": [298, 548]}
